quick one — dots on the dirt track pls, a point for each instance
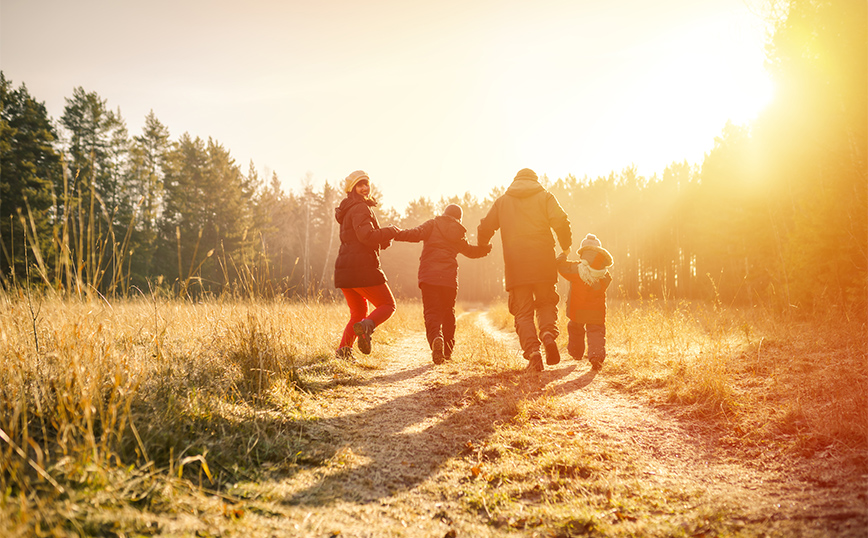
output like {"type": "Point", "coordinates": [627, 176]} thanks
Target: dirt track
{"type": "Point", "coordinates": [391, 457]}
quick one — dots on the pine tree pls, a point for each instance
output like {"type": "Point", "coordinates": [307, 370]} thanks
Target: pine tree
{"type": "Point", "coordinates": [29, 170]}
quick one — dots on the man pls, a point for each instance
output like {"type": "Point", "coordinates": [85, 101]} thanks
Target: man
{"type": "Point", "coordinates": [526, 215]}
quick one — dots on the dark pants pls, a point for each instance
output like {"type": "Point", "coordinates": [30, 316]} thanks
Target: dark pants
{"type": "Point", "coordinates": [438, 303]}
{"type": "Point", "coordinates": [596, 340]}
{"type": "Point", "coordinates": [527, 300]}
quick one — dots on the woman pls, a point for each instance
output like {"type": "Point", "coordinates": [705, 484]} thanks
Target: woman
{"type": "Point", "coordinates": [357, 267]}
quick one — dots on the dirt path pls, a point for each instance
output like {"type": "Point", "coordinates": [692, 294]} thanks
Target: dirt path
{"type": "Point", "coordinates": [392, 451]}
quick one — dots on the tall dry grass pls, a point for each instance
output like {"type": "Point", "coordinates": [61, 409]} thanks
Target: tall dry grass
{"type": "Point", "coordinates": [765, 377]}
{"type": "Point", "coordinates": [139, 397]}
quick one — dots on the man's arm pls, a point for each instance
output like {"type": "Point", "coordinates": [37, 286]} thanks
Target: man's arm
{"type": "Point", "coordinates": [559, 222]}
{"type": "Point", "coordinates": [488, 225]}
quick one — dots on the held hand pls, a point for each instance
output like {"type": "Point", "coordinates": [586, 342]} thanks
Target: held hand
{"type": "Point", "coordinates": [392, 231]}
{"type": "Point", "coordinates": [486, 249]}
{"type": "Point", "coordinates": [562, 257]}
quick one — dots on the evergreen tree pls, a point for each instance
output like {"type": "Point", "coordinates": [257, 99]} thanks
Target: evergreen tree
{"type": "Point", "coordinates": [29, 169]}
{"type": "Point", "coordinates": [206, 214]}
{"type": "Point", "coordinates": [95, 200]}
{"type": "Point", "coordinates": [147, 157]}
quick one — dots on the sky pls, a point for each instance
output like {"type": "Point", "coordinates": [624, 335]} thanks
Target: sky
{"type": "Point", "coordinates": [432, 99]}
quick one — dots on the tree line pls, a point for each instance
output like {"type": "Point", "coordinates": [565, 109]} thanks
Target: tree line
{"type": "Point", "coordinates": [776, 213]}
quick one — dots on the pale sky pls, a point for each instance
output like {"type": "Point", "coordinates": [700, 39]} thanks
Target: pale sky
{"type": "Point", "coordinates": [432, 98]}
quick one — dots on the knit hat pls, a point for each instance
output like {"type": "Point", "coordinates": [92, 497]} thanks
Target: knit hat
{"type": "Point", "coordinates": [354, 178]}
{"type": "Point", "coordinates": [454, 211]}
{"type": "Point", "coordinates": [592, 250]}
{"type": "Point", "coordinates": [526, 173]}
{"type": "Point", "coordinates": [591, 240]}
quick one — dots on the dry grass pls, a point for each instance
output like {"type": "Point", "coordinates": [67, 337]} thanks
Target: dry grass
{"type": "Point", "coordinates": [799, 384]}
{"type": "Point", "coordinates": [133, 401]}
{"type": "Point", "coordinates": [802, 385]}
{"type": "Point", "coordinates": [134, 415]}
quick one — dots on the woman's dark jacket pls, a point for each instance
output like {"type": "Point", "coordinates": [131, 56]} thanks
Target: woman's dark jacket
{"type": "Point", "coordinates": [444, 238]}
{"type": "Point", "coordinates": [358, 261]}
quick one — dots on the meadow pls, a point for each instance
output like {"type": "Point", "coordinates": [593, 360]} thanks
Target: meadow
{"type": "Point", "coordinates": [156, 415]}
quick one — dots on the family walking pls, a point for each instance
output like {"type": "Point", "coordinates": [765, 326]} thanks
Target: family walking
{"type": "Point", "coordinates": [526, 215]}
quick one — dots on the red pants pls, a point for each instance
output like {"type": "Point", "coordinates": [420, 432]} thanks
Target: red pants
{"type": "Point", "coordinates": [357, 299]}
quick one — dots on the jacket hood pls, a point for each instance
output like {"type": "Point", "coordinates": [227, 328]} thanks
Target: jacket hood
{"type": "Point", "coordinates": [348, 203]}
{"type": "Point", "coordinates": [451, 229]}
{"type": "Point", "coordinates": [597, 257]}
{"type": "Point", "coordinates": [522, 188]}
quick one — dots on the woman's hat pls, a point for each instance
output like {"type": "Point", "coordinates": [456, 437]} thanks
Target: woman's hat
{"type": "Point", "coordinates": [354, 178]}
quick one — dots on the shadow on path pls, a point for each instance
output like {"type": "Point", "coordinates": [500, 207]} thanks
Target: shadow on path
{"type": "Point", "coordinates": [397, 445]}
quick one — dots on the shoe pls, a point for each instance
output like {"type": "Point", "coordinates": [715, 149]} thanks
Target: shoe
{"type": "Point", "coordinates": [364, 329]}
{"type": "Point", "coordinates": [345, 353]}
{"type": "Point", "coordinates": [553, 356]}
{"type": "Point", "coordinates": [535, 362]}
{"type": "Point", "coordinates": [596, 364]}
{"type": "Point", "coordinates": [437, 350]}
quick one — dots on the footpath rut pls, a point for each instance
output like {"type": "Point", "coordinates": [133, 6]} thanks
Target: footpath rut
{"type": "Point", "coordinates": [392, 441]}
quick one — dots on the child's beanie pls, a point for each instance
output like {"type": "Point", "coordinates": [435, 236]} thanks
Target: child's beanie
{"type": "Point", "coordinates": [591, 240]}
{"type": "Point", "coordinates": [454, 211]}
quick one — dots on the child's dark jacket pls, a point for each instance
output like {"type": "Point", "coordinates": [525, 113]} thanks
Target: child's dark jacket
{"type": "Point", "coordinates": [444, 237]}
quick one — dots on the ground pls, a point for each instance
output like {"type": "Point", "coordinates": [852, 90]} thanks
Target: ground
{"type": "Point", "coordinates": [453, 451]}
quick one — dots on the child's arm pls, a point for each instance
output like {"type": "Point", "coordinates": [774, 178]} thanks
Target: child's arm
{"type": "Point", "coordinates": [474, 251]}
{"type": "Point", "coordinates": [414, 235]}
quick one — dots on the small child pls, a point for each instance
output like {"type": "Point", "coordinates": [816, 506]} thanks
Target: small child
{"type": "Point", "coordinates": [443, 238]}
{"type": "Point", "coordinates": [586, 306]}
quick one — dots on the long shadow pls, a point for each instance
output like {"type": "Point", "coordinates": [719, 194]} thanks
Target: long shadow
{"type": "Point", "coordinates": [398, 459]}
{"type": "Point", "coordinates": [578, 383]}
{"type": "Point", "coordinates": [397, 376]}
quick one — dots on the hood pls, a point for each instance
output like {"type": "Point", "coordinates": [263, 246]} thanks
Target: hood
{"type": "Point", "coordinates": [522, 188]}
{"type": "Point", "coordinates": [451, 229]}
{"type": "Point", "coordinates": [348, 203]}
{"type": "Point", "coordinates": [597, 257]}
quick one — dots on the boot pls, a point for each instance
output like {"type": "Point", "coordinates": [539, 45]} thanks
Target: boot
{"type": "Point", "coordinates": [437, 350]}
{"type": "Point", "coordinates": [364, 329]}
{"type": "Point", "coordinates": [553, 356]}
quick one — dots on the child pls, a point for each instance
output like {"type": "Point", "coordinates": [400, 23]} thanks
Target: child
{"type": "Point", "coordinates": [586, 305]}
{"type": "Point", "coordinates": [443, 238]}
